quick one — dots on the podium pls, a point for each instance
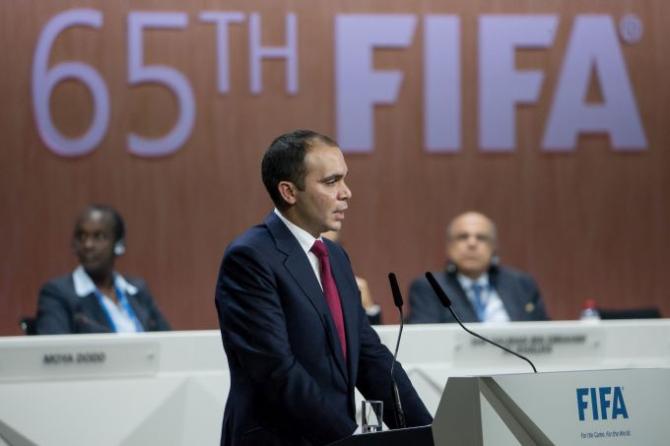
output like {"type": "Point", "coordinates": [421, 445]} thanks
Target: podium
{"type": "Point", "coordinates": [599, 407]}
{"type": "Point", "coordinates": [414, 436]}
{"type": "Point", "coordinates": [179, 380]}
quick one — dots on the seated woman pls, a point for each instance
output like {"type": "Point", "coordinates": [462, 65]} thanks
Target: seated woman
{"type": "Point", "coordinates": [95, 298]}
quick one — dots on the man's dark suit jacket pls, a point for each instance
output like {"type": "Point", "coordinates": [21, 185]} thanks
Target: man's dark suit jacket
{"type": "Point", "coordinates": [518, 291]}
{"type": "Point", "coordinates": [290, 384]}
{"type": "Point", "coordinates": [61, 311]}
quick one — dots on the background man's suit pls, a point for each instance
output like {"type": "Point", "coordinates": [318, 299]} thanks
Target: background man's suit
{"type": "Point", "coordinates": [61, 311]}
{"type": "Point", "coordinates": [518, 292]}
{"type": "Point", "coordinates": [290, 383]}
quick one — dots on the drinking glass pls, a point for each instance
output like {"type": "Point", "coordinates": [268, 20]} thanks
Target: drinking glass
{"type": "Point", "coordinates": [372, 412]}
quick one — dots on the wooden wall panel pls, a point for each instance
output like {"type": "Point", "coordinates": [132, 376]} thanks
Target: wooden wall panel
{"type": "Point", "coordinates": [591, 223]}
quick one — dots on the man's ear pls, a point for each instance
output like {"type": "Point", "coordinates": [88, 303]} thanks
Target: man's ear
{"type": "Point", "coordinates": [288, 191]}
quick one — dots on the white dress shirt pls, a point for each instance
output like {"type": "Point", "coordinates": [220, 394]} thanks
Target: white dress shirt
{"type": "Point", "coordinates": [306, 241]}
{"type": "Point", "coordinates": [83, 286]}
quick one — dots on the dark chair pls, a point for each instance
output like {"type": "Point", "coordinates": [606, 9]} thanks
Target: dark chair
{"type": "Point", "coordinates": [630, 313]}
{"type": "Point", "coordinates": [29, 325]}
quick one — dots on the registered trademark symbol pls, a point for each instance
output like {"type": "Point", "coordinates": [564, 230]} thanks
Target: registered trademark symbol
{"type": "Point", "coordinates": [630, 28]}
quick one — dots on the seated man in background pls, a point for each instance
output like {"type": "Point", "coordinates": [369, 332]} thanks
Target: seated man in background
{"type": "Point", "coordinates": [372, 310]}
{"type": "Point", "coordinates": [95, 298]}
{"type": "Point", "coordinates": [480, 290]}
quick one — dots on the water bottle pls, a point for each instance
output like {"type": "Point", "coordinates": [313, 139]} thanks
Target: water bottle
{"type": "Point", "coordinates": [590, 311]}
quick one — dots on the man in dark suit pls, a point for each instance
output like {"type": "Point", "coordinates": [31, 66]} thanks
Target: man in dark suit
{"type": "Point", "coordinates": [95, 298]}
{"type": "Point", "coordinates": [479, 288]}
{"type": "Point", "coordinates": [296, 336]}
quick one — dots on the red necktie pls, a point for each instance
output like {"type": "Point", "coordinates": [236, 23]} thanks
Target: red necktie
{"type": "Point", "coordinates": [330, 291]}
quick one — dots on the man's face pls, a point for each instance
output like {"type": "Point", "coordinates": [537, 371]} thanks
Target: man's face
{"type": "Point", "coordinates": [93, 242]}
{"type": "Point", "coordinates": [471, 244]}
{"type": "Point", "coordinates": [320, 206]}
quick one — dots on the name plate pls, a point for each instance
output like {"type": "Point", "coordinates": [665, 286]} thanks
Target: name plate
{"type": "Point", "coordinates": [67, 361]}
{"type": "Point", "coordinates": [546, 345]}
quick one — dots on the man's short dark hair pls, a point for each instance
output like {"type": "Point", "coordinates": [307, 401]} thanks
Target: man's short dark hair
{"type": "Point", "coordinates": [118, 226]}
{"type": "Point", "coordinates": [284, 160]}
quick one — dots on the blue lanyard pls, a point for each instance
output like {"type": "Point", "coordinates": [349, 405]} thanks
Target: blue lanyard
{"type": "Point", "coordinates": [125, 305]}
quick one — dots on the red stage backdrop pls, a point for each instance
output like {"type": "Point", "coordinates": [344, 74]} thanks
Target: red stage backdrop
{"type": "Point", "coordinates": [551, 117]}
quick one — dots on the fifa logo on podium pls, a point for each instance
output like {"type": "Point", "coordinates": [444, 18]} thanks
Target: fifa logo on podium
{"type": "Point", "coordinates": [602, 403]}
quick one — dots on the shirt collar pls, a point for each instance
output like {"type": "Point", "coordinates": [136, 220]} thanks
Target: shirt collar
{"type": "Point", "coordinates": [305, 239]}
{"type": "Point", "coordinates": [467, 282]}
{"type": "Point", "coordinates": [83, 285]}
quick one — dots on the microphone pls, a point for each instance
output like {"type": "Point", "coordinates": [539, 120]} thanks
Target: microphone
{"type": "Point", "coordinates": [447, 303]}
{"type": "Point", "coordinates": [397, 300]}
{"type": "Point", "coordinates": [395, 290]}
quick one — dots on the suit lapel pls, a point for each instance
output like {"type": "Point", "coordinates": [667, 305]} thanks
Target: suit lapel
{"type": "Point", "coordinates": [460, 303]}
{"type": "Point", "coordinates": [299, 267]}
{"type": "Point", "coordinates": [140, 312]}
{"type": "Point", "coordinates": [505, 291]}
{"type": "Point", "coordinates": [90, 308]}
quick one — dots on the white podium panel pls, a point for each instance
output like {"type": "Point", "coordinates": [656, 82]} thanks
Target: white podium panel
{"type": "Point", "coordinates": [170, 388]}
{"type": "Point", "coordinates": [597, 407]}
{"type": "Point", "coordinates": [433, 353]}
{"type": "Point", "coordinates": [137, 389]}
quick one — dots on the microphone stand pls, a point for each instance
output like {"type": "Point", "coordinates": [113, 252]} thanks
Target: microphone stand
{"type": "Point", "coordinates": [478, 336]}
{"type": "Point", "coordinates": [397, 300]}
{"type": "Point", "coordinates": [447, 303]}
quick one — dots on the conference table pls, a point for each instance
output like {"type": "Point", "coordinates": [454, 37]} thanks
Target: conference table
{"type": "Point", "coordinates": [170, 388]}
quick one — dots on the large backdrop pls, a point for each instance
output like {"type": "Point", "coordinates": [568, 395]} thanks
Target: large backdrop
{"type": "Point", "coordinates": [551, 117]}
